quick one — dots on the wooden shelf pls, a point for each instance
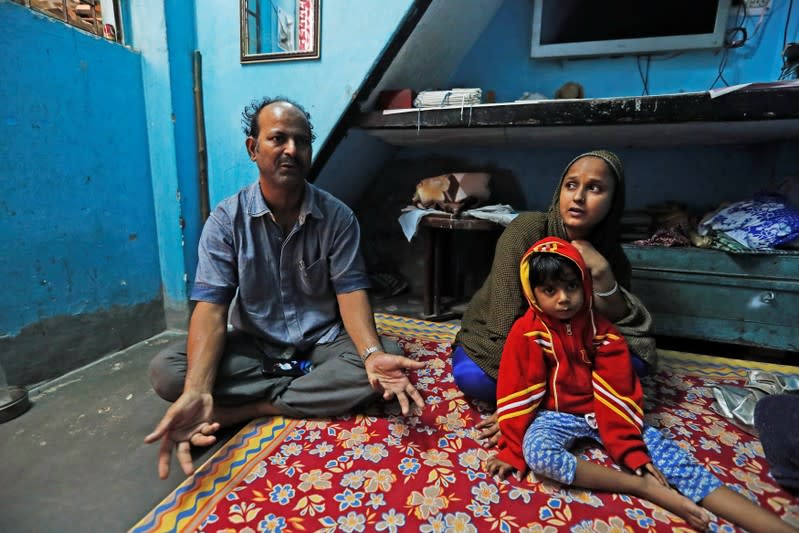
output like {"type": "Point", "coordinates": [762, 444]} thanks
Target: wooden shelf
{"type": "Point", "coordinates": [749, 115]}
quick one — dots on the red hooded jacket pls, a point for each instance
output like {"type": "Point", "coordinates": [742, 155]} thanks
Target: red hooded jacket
{"type": "Point", "coordinates": [579, 367]}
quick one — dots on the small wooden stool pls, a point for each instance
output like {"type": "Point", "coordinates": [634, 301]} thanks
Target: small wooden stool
{"type": "Point", "coordinates": [435, 227]}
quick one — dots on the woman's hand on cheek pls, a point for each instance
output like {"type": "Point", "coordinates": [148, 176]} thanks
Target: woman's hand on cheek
{"type": "Point", "coordinates": [595, 261]}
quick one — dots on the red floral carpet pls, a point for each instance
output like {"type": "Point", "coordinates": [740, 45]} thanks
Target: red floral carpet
{"type": "Point", "coordinates": [391, 473]}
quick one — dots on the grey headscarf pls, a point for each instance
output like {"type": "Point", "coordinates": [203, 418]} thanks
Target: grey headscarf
{"type": "Point", "coordinates": [605, 236]}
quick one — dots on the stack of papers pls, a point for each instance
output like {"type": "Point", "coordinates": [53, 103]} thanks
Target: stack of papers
{"type": "Point", "coordinates": [451, 97]}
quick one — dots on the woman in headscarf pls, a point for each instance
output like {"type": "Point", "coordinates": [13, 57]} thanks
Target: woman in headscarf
{"type": "Point", "coordinates": [586, 210]}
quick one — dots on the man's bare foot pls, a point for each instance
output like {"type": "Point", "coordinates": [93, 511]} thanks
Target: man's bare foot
{"type": "Point", "coordinates": [489, 436]}
{"type": "Point", "coordinates": [224, 416]}
{"type": "Point", "coordinates": [205, 436]}
{"type": "Point", "coordinates": [675, 502]}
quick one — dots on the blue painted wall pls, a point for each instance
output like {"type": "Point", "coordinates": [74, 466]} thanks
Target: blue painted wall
{"type": "Point", "coordinates": [77, 224]}
{"type": "Point", "coordinates": [182, 41]}
{"type": "Point", "coordinates": [500, 60]}
{"type": "Point", "coordinates": [353, 32]}
{"type": "Point", "coordinates": [149, 34]}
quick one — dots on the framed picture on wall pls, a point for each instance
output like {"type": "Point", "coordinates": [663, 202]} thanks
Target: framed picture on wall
{"type": "Point", "coordinates": [283, 32]}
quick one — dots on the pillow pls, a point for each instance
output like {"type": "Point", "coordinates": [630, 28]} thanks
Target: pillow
{"type": "Point", "coordinates": [763, 222]}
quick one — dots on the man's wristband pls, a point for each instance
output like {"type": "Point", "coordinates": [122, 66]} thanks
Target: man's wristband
{"type": "Point", "coordinates": [611, 292]}
{"type": "Point", "coordinates": [369, 351]}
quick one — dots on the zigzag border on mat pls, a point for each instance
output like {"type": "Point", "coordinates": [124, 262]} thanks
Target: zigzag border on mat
{"type": "Point", "coordinates": [719, 367]}
{"type": "Point", "coordinates": [388, 324]}
{"type": "Point", "coordinates": [191, 494]}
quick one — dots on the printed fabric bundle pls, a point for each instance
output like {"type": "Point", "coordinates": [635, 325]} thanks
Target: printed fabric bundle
{"type": "Point", "coordinates": [454, 192]}
{"type": "Point", "coordinates": [761, 223]}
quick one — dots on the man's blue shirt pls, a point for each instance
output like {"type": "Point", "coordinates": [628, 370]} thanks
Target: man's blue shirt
{"type": "Point", "coordinates": [282, 289]}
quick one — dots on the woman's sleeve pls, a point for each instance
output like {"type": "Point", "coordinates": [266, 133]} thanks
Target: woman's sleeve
{"type": "Point", "coordinates": [635, 325]}
{"type": "Point", "coordinates": [622, 269]}
{"type": "Point", "coordinates": [506, 299]}
{"type": "Point", "coordinates": [635, 329]}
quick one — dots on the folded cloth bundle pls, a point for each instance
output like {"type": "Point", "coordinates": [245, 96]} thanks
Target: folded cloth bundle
{"type": "Point", "coordinates": [771, 383]}
{"type": "Point", "coordinates": [763, 222]}
{"type": "Point", "coordinates": [737, 404]}
{"type": "Point", "coordinates": [453, 192]}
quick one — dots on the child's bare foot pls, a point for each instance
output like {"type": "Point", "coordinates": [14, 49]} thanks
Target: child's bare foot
{"type": "Point", "coordinates": [646, 486]}
{"type": "Point", "coordinates": [675, 502]}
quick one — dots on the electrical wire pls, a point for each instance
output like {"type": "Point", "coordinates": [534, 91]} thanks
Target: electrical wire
{"type": "Point", "coordinates": [787, 22]}
{"type": "Point", "coordinates": [730, 42]}
{"type": "Point", "coordinates": [790, 69]}
{"type": "Point", "coordinates": [644, 75]}
{"type": "Point", "coordinates": [722, 64]}
{"type": "Point", "coordinates": [662, 56]}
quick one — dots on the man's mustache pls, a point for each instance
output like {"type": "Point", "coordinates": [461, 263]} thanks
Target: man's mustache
{"type": "Point", "coordinates": [288, 159]}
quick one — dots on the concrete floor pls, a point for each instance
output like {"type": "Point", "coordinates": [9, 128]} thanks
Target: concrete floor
{"type": "Point", "coordinates": [77, 462]}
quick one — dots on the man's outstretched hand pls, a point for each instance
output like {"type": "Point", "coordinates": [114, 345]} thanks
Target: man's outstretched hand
{"type": "Point", "coordinates": [187, 422]}
{"type": "Point", "coordinates": [386, 373]}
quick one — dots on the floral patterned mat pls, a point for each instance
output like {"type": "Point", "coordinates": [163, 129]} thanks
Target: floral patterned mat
{"type": "Point", "coordinates": [424, 473]}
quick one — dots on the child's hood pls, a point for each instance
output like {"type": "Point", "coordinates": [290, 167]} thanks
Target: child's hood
{"type": "Point", "coordinates": [555, 245]}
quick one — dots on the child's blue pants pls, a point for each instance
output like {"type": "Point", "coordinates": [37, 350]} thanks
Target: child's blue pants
{"type": "Point", "coordinates": [548, 439]}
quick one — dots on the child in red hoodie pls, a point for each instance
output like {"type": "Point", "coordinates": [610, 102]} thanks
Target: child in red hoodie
{"type": "Point", "coordinates": [566, 374]}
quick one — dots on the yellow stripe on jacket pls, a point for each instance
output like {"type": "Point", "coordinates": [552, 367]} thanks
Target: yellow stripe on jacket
{"type": "Point", "coordinates": [521, 402]}
{"type": "Point", "coordinates": [618, 404]}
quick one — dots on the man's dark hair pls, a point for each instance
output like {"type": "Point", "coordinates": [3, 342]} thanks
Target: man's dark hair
{"type": "Point", "coordinates": [249, 117]}
{"type": "Point", "coordinates": [548, 267]}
